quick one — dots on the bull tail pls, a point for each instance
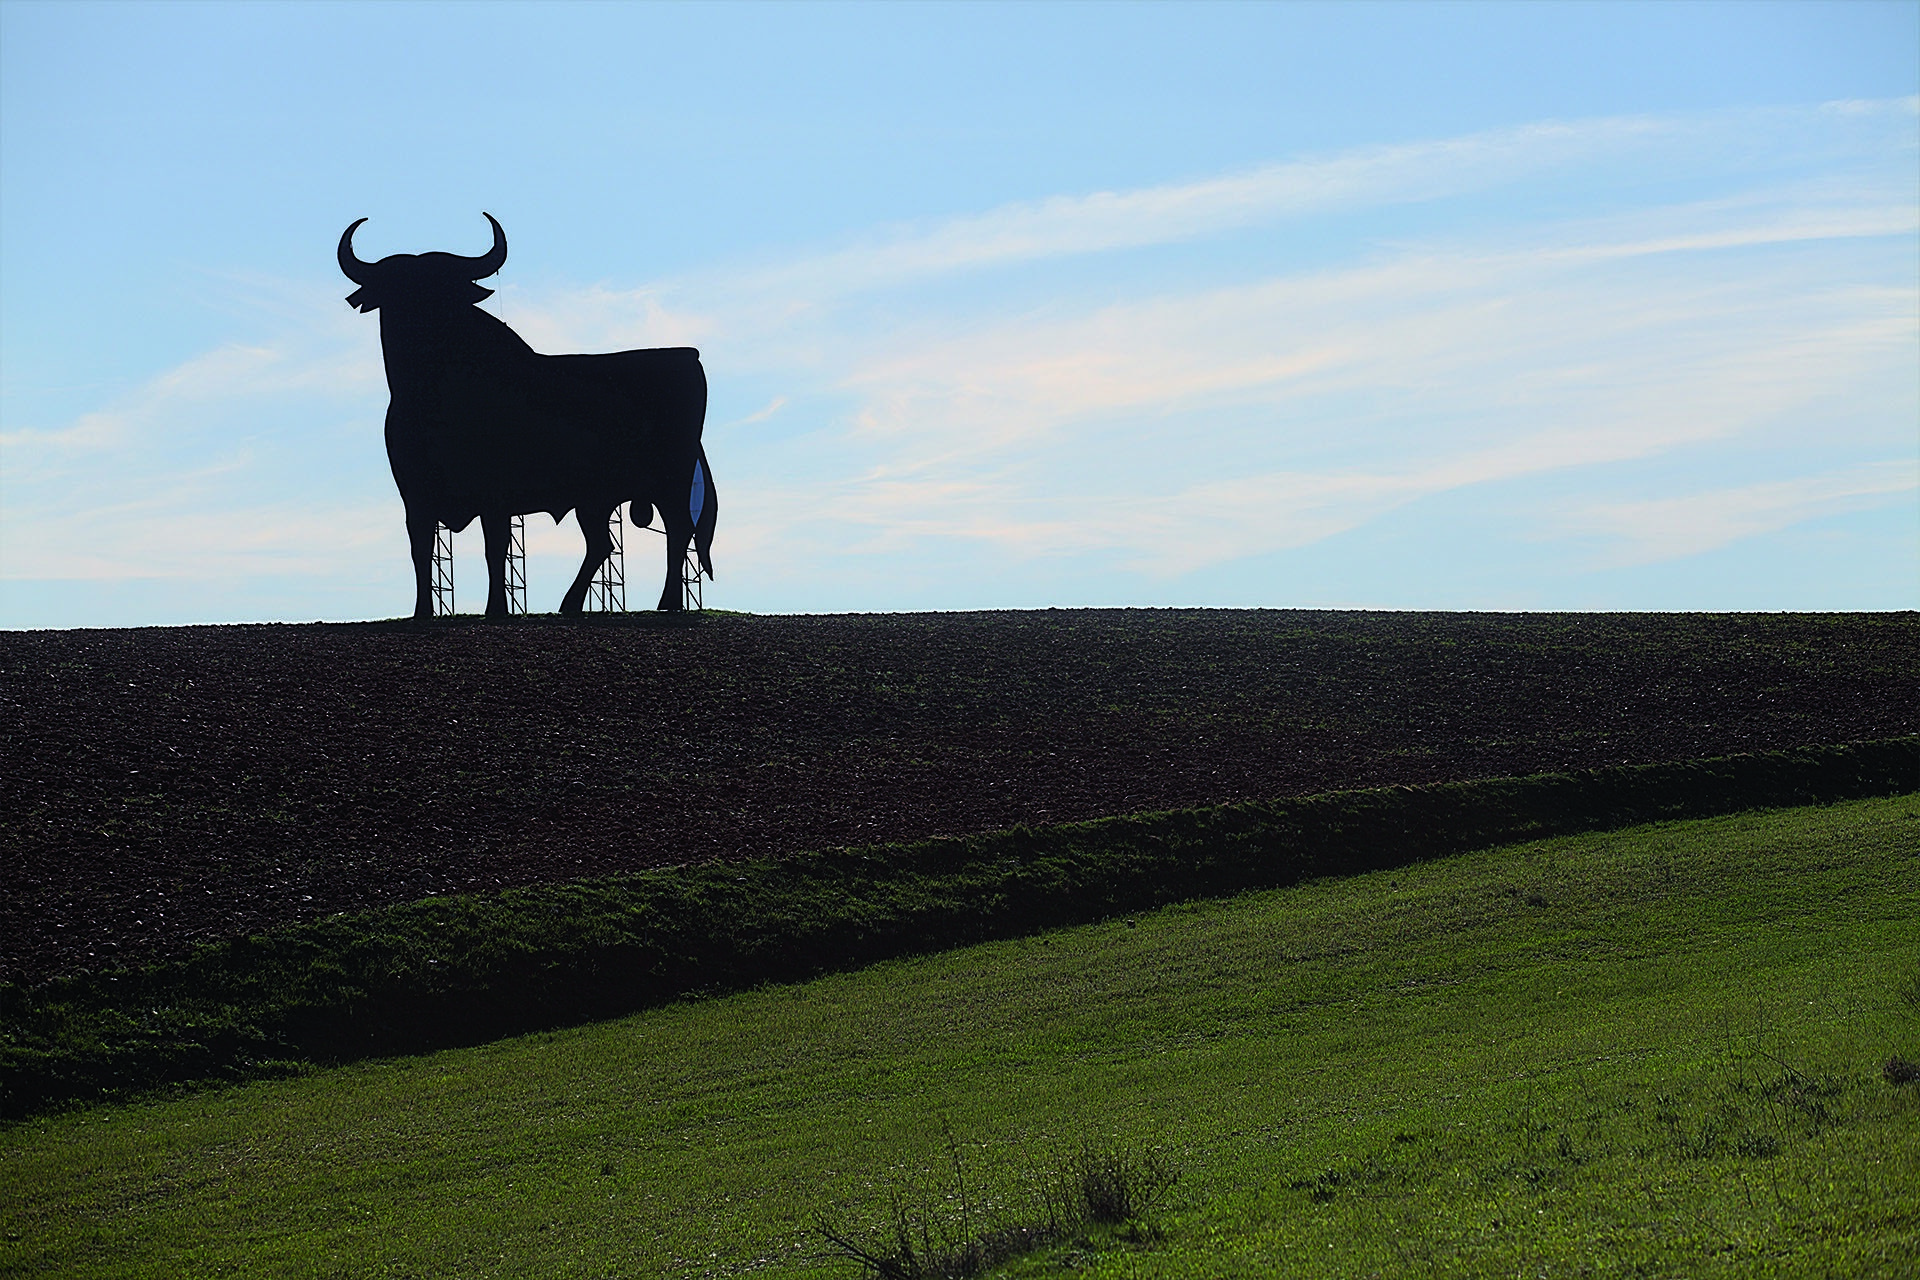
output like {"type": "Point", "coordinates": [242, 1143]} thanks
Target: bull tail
{"type": "Point", "coordinates": [706, 506]}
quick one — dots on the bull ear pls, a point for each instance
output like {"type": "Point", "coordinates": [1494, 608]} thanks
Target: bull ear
{"type": "Point", "coordinates": [363, 299]}
{"type": "Point", "coordinates": [473, 293]}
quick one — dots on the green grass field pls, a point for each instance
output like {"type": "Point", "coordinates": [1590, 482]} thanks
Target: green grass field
{"type": "Point", "coordinates": [1652, 1051]}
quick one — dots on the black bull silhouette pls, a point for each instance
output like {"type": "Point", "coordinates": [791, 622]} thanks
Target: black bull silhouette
{"type": "Point", "coordinates": [480, 424]}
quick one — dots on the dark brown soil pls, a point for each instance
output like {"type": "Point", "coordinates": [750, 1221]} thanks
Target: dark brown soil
{"type": "Point", "coordinates": [165, 786]}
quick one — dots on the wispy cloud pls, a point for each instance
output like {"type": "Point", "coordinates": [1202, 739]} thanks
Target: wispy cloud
{"type": "Point", "coordinates": [167, 537]}
{"type": "Point", "coordinates": [220, 375]}
{"type": "Point", "coordinates": [1655, 529]}
{"type": "Point", "coordinates": [1478, 366]}
{"type": "Point", "coordinates": [1441, 400]}
{"type": "Point", "coordinates": [1366, 177]}
{"type": "Point", "coordinates": [320, 358]}
{"type": "Point", "coordinates": [1153, 427]}
{"type": "Point", "coordinates": [214, 465]}
{"type": "Point", "coordinates": [765, 304]}
{"type": "Point", "coordinates": [1182, 428]}
{"type": "Point", "coordinates": [599, 319]}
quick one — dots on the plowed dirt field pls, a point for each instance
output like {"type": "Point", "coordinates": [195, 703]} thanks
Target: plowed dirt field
{"type": "Point", "coordinates": [164, 786]}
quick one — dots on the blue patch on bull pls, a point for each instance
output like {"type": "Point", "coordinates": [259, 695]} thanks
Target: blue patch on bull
{"type": "Point", "coordinates": [699, 498]}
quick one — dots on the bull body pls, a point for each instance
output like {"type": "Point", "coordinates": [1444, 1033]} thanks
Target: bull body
{"type": "Point", "coordinates": [480, 425]}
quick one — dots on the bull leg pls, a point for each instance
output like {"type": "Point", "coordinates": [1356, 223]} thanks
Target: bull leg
{"type": "Point", "coordinates": [420, 530]}
{"type": "Point", "coordinates": [593, 526]}
{"type": "Point", "coordinates": [679, 534]}
{"type": "Point", "coordinates": [497, 531]}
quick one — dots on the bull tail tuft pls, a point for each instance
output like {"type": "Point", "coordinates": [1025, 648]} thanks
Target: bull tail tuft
{"type": "Point", "coordinates": [706, 505]}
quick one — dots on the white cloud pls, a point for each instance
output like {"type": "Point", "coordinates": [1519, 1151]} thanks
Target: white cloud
{"type": "Point", "coordinates": [764, 412]}
{"type": "Point", "coordinates": [167, 537]}
{"type": "Point", "coordinates": [1814, 224]}
{"type": "Point", "coordinates": [1655, 529]}
{"type": "Point", "coordinates": [1156, 428]}
{"type": "Point", "coordinates": [321, 360]}
{"type": "Point", "coordinates": [199, 471]}
{"type": "Point", "coordinates": [598, 319]}
{"type": "Point", "coordinates": [222, 374]}
{"type": "Point", "coordinates": [1330, 400]}
{"type": "Point", "coordinates": [1570, 364]}
{"type": "Point", "coordinates": [1366, 177]}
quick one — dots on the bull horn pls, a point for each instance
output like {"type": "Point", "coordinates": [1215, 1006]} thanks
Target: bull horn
{"type": "Point", "coordinates": [493, 259]}
{"type": "Point", "coordinates": [350, 265]}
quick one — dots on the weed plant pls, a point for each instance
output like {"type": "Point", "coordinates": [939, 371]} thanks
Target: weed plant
{"type": "Point", "coordinates": [941, 1236]}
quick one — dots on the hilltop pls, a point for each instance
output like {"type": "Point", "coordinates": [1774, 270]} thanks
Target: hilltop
{"type": "Point", "coordinates": [173, 785]}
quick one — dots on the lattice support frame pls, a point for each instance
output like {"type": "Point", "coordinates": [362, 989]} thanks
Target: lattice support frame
{"type": "Point", "coordinates": [607, 593]}
{"type": "Point", "coordinates": [442, 571]}
{"type": "Point", "coordinates": [517, 566]}
{"type": "Point", "coordinates": [690, 576]}
{"type": "Point", "coordinates": [516, 569]}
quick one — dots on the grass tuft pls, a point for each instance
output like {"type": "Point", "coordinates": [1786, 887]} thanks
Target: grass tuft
{"type": "Point", "coordinates": [1117, 1186]}
{"type": "Point", "coordinates": [939, 1235]}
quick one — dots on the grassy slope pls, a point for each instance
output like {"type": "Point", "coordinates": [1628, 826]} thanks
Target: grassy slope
{"type": "Point", "coordinates": [456, 971]}
{"type": "Point", "coordinates": [1571, 1054]}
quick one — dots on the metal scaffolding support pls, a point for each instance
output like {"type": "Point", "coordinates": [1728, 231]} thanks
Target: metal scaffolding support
{"type": "Point", "coordinates": [517, 566]}
{"type": "Point", "coordinates": [607, 593]}
{"type": "Point", "coordinates": [442, 571]}
{"type": "Point", "coordinates": [516, 573]}
{"type": "Point", "coordinates": [690, 581]}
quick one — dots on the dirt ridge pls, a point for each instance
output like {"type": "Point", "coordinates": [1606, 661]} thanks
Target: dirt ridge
{"type": "Point", "coordinates": [172, 785]}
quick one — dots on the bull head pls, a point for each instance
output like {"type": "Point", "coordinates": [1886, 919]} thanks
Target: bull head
{"type": "Point", "coordinates": [445, 279]}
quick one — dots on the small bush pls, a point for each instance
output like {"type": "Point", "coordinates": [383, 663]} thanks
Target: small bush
{"type": "Point", "coordinates": [1100, 1186]}
{"type": "Point", "coordinates": [1116, 1186]}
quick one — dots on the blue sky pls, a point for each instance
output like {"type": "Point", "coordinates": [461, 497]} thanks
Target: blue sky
{"type": "Point", "coordinates": [1436, 306]}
